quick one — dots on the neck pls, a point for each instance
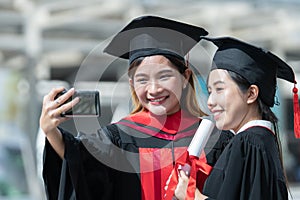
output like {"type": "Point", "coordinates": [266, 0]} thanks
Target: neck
{"type": "Point", "coordinates": [252, 114]}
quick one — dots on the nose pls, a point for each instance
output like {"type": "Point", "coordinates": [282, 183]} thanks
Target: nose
{"type": "Point", "coordinates": [154, 87]}
{"type": "Point", "coordinates": [210, 101]}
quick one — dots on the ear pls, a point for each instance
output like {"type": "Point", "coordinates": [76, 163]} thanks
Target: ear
{"type": "Point", "coordinates": [186, 74]}
{"type": "Point", "coordinates": [253, 92]}
{"type": "Point", "coordinates": [131, 82]}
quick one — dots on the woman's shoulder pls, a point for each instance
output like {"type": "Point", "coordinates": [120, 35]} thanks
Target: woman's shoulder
{"type": "Point", "coordinates": [257, 136]}
{"type": "Point", "coordinates": [256, 131]}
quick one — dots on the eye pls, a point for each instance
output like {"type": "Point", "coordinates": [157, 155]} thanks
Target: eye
{"type": "Point", "coordinates": [219, 89]}
{"type": "Point", "coordinates": [141, 80]}
{"type": "Point", "coordinates": [165, 76]}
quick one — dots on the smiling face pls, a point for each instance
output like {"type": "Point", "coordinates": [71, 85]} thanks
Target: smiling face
{"type": "Point", "coordinates": [230, 107]}
{"type": "Point", "coordinates": [158, 85]}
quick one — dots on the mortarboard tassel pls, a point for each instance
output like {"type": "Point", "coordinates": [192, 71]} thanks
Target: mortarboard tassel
{"type": "Point", "coordinates": [296, 112]}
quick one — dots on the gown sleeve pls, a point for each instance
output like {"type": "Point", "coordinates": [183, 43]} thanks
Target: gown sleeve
{"type": "Point", "coordinates": [216, 145]}
{"type": "Point", "coordinates": [52, 166]}
{"type": "Point", "coordinates": [247, 169]}
{"type": "Point", "coordinates": [78, 175]}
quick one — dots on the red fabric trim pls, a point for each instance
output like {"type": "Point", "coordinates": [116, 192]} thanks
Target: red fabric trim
{"type": "Point", "coordinates": [170, 124]}
{"type": "Point", "coordinates": [154, 133]}
{"type": "Point", "coordinates": [156, 165]}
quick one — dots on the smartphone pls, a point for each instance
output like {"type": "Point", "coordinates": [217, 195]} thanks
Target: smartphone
{"type": "Point", "coordinates": [88, 105]}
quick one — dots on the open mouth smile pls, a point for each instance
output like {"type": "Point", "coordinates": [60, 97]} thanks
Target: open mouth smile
{"type": "Point", "coordinates": [157, 100]}
{"type": "Point", "coordinates": [217, 114]}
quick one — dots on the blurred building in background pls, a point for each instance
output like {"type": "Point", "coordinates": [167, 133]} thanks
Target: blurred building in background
{"type": "Point", "coordinates": [44, 44]}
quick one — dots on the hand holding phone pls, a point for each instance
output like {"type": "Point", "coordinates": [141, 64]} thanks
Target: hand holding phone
{"type": "Point", "coordinates": [88, 105]}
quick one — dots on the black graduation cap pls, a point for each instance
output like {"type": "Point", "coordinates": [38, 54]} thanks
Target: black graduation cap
{"type": "Point", "coordinates": [257, 66]}
{"type": "Point", "coordinates": [153, 35]}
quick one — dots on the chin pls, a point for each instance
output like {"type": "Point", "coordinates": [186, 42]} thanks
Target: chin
{"type": "Point", "coordinates": [158, 111]}
{"type": "Point", "coordinates": [220, 125]}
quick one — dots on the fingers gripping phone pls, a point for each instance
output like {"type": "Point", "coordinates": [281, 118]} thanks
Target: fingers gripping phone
{"type": "Point", "coordinates": [88, 105]}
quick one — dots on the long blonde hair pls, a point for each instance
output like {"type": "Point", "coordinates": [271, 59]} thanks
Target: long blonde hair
{"type": "Point", "coordinates": [188, 98]}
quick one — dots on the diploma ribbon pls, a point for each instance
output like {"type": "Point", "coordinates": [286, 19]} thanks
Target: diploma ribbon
{"type": "Point", "coordinates": [197, 162]}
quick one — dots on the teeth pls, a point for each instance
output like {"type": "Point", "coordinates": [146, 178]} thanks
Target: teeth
{"type": "Point", "coordinates": [157, 100]}
{"type": "Point", "coordinates": [216, 113]}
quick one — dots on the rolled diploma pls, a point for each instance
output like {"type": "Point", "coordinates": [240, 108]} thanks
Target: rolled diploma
{"type": "Point", "coordinates": [201, 137]}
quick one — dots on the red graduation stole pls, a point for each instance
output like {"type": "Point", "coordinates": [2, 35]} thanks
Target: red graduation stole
{"type": "Point", "coordinates": [169, 127]}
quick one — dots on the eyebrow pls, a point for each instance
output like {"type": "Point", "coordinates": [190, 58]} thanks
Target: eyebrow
{"type": "Point", "coordinates": [165, 71]}
{"type": "Point", "coordinates": [160, 72]}
{"type": "Point", "coordinates": [140, 74]}
{"type": "Point", "coordinates": [218, 82]}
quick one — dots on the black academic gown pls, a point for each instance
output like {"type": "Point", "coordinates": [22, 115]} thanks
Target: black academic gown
{"type": "Point", "coordinates": [248, 168]}
{"type": "Point", "coordinates": [131, 159]}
